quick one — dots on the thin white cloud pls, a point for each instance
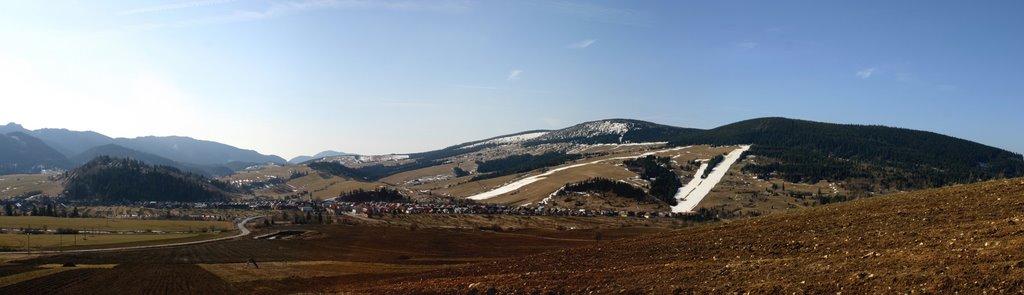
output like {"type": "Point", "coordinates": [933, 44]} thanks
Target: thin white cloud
{"type": "Point", "coordinates": [865, 73]}
{"type": "Point", "coordinates": [582, 44]}
{"type": "Point", "coordinates": [747, 45]}
{"type": "Point", "coordinates": [514, 75]}
{"type": "Point", "coordinates": [173, 6]}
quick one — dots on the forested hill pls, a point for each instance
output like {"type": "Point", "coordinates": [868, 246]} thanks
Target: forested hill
{"type": "Point", "coordinates": [898, 158]}
{"type": "Point", "coordinates": [108, 179]}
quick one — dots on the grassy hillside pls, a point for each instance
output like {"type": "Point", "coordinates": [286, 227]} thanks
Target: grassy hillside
{"type": "Point", "coordinates": [962, 238]}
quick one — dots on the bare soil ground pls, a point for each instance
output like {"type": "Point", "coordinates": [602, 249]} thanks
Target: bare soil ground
{"type": "Point", "coordinates": [966, 238]}
{"type": "Point", "coordinates": [328, 261]}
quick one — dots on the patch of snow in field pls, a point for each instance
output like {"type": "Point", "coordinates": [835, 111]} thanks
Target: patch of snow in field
{"type": "Point", "coordinates": [693, 192]}
{"type": "Point", "coordinates": [583, 147]}
{"type": "Point", "coordinates": [510, 187]}
{"type": "Point", "coordinates": [509, 139]}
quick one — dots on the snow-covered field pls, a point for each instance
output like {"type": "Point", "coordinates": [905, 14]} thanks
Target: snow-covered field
{"type": "Point", "coordinates": [693, 192]}
{"type": "Point", "coordinates": [509, 139]}
{"type": "Point", "coordinates": [511, 187]}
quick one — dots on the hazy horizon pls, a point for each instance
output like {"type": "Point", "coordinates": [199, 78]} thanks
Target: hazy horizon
{"type": "Point", "coordinates": [295, 78]}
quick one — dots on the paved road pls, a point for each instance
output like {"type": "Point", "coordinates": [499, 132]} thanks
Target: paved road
{"type": "Point", "coordinates": [242, 231]}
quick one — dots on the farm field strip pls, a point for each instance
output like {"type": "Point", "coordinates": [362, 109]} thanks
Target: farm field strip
{"type": "Point", "coordinates": [69, 241]}
{"type": "Point", "coordinates": [693, 192]}
{"type": "Point", "coordinates": [108, 224]}
{"type": "Point", "coordinates": [45, 270]}
{"type": "Point", "coordinates": [242, 231]}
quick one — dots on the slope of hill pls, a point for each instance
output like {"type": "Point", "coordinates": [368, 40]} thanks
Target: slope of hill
{"type": "Point", "coordinates": [614, 131]}
{"type": "Point", "coordinates": [189, 150]}
{"type": "Point", "coordinates": [963, 238]}
{"type": "Point", "coordinates": [117, 151]}
{"type": "Point", "coordinates": [180, 149]}
{"type": "Point", "coordinates": [71, 143]}
{"type": "Point", "coordinates": [112, 179]}
{"type": "Point", "coordinates": [806, 151]}
{"type": "Point", "coordinates": [22, 153]}
{"type": "Point", "coordinates": [13, 127]}
{"type": "Point", "coordinates": [320, 155]}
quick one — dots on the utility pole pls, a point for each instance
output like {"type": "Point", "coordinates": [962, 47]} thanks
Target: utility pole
{"type": "Point", "coordinates": [28, 243]}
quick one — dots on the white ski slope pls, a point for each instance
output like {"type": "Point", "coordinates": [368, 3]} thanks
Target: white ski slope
{"type": "Point", "coordinates": [511, 187]}
{"type": "Point", "coordinates": [693, 192]}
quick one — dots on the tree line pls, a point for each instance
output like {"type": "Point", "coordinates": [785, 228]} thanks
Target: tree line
{"type": "Point", "coordinates": [604, 185]}
{"type": "Point", "coordinates": [658, 170]}
{"type": "Point", "coordinates": [380, 194]}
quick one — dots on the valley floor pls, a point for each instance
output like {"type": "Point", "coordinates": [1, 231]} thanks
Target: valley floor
{"type": "Point", "coordinates": [313, 258]}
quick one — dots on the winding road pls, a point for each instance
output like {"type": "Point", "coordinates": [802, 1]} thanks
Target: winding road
{"type": "Point", "coordinates": [242, 231]}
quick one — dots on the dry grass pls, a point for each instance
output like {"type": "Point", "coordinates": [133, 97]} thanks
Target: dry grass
{"type": "Point", "coordinates": [400, 178]}
{"type": "Point", "coordinates": [323, 188]}
{"type": "Point", "coordinates": [111, 224]}
{"type": "Point", "coordinates": [17, 184]}
{"type": "Point", "coordinates": [742, 192]}
{"type": "Point", "coordinates": [266, 173]}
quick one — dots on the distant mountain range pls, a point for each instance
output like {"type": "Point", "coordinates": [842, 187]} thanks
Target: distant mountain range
{"type": "Point", "coordinates": [31, 151]}
{"type": "Point", "coordinates": [795, 150]}
{"type": "Point", "coordinates": [22, 153]}
{"type": "Point", "coordinates": [319, 155]}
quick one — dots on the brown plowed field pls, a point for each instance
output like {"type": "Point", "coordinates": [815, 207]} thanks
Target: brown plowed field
{"type": "Point", "coordinates": [967, 239]}
{"type": "Point", "coordinates": [337, 256]}
{"type": "Point", "coordinates": [126, 279]}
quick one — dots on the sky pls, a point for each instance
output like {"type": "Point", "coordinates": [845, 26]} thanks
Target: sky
{"type": "Point", "coordinates": [294, 77]}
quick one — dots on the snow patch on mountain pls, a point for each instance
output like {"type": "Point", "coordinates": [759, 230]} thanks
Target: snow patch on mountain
{"type": "Point", "coordinates": [509, 139]}
{"type": "Point", "coordinates": [595, 129]}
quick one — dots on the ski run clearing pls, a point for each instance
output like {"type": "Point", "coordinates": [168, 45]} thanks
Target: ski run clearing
{"type": "Point", "coordinates": [688, 196]}
{"type": "Point", "coordinates": [511, 187]}
{"type": "Point", "coordinates": [693, 192]}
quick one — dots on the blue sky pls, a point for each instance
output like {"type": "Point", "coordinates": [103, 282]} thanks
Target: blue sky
{"type": "Point", "coordinates": [297, 77]}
